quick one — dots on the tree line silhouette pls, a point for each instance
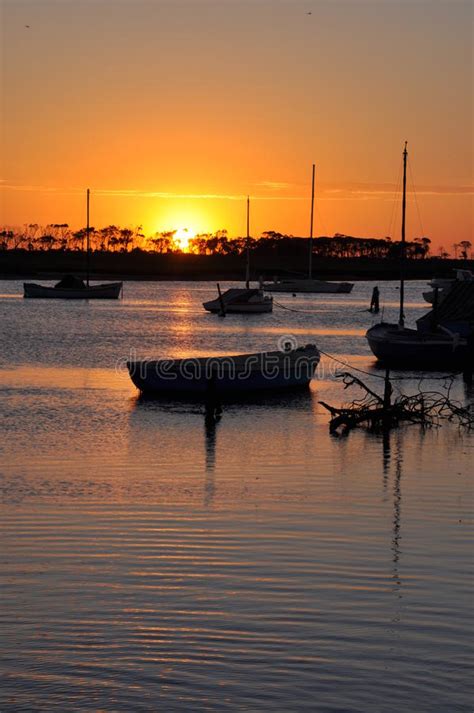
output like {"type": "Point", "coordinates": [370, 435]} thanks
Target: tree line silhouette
{"type": "Point", "coordinates": [112, 238]}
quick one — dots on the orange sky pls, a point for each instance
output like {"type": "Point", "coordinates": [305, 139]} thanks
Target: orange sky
{"type": "Point", "coordinates": [172, 112]}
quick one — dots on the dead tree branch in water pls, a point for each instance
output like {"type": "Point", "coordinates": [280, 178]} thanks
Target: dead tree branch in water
{"type": "Point", "coordinates": [379, 413]}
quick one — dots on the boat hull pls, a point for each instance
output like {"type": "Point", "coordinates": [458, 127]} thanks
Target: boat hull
{"type": "Point", "coordinates": [309, 286]}
{"type": "Point", "coordinates": [409, 348]}
{"type": "Point", "coordinates": [249, 308]}
{"type": "Point", "coordinates": [240, 301]}
{"type": "Point", "coordinates": [109, 291]}
{"type": "Point", "coordinates": [226, 375]}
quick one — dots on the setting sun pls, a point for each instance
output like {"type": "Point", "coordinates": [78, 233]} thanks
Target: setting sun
{"type": "Point", "coordinates": [182, 238]}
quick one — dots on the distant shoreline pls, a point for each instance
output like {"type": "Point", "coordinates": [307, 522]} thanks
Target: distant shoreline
{"type": "Point", "coordinates": [187, 278]}
{"type": "Point", "coordinates": [47, 265]}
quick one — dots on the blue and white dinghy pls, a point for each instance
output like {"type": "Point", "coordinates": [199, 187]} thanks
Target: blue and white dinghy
{"type": "Point", "coordinates": [262, 371]}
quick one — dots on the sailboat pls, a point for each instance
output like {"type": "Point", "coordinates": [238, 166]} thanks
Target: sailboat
{"type": "Point", "coordinates": [73, 288]}
{"type": "Point", "coordinates": [309, 284]}
{"type": "Point", "coordinates": [444, 284]}
{"type": "Point", "coordinates": [241, 300]}
{"type": "Point", "coordinates": [443, 338]}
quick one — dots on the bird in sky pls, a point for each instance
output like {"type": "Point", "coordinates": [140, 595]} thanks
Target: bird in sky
{"type": "Point", "coordinates": [309, 13]}
{"type": "Point", "coordinates": [27, 26]}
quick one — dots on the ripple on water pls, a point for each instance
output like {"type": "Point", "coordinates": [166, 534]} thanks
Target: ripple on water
{"type": "Point", "coordinates": [152, 561]}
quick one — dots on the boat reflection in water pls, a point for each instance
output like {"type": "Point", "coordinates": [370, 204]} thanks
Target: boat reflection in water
{"type": "Point", "coordinates": [178, 440]}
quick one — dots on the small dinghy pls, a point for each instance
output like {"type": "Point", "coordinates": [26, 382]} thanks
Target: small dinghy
{"type": "Point", "coordinates": [262, 371]}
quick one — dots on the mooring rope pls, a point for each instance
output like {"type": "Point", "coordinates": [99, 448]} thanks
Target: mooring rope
{"type": "Point", "coordinates": [350, 366]}
{"type": "Point", "coordinates": [423, 375]}
{"type": "Point", "coordinates": [292, 309]}
{"type": "Point", "coordinates": [309, 311]}
{"type": "Point", "coordinates": [362, 371]}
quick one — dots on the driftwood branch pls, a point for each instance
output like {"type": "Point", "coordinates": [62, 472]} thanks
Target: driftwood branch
{"type": "Point", "coordinates": [379, 413]}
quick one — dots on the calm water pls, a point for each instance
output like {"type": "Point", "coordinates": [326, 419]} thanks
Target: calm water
{"type": "Point", "coordinates": [153, 562]}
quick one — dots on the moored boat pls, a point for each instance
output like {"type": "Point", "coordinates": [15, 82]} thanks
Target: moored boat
{"type": "Point", "coordinates": [409, 348]}
{"type": "Point", "coordinates": [110, 290]}
{"type": "Point", "coordinates": [264, 371]}
{"type": "Point", "coordinates": [443, 337]}
{"type": "Point", "coordinates": [73, 288]}
{"type": "Point", "coordinates": [442, 285]}
{"type": "Point", "coordinates": [308, 284]}
{"type": "Point", "coordinates": [240, 301]}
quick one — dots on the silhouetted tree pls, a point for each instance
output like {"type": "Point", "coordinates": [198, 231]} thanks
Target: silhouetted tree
{"type": "Point", "coordinates": [423, 245]}
{"type": "Point", "coordinates": [465, 245]}
{"type": "Point", "coordinates": [164, 242]}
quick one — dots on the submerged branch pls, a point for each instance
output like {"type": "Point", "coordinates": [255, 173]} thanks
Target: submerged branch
{"type": "Point", "coordinates": [377, 413]}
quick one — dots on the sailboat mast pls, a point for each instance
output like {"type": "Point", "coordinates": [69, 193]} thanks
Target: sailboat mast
{"type": "Point", "coordinates": [247, 247]}
{"type": "Point", "coordinates": [401, 318]}
{"type": "Point", "coordinates": [87, 240]}
{"type": "Point", "coordinates": [310, 264]}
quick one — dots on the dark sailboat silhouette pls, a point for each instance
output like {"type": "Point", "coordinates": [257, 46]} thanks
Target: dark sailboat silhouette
{"type": "Point", "coordinates": [241, 300]}
{"type": "Point", "coordinates": [308, 284]}
{"type": "Point", "coordinates": [442, 337]}
{"type": "Point", "coordinates": [73, 288]}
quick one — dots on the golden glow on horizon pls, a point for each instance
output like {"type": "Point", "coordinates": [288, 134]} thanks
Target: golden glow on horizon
{"type": "Point", "coordinates": [191, 137]}
{"type": "Point", "coordinates": [187, 217]}
{"type": "Point", "coordinates": [182, 238]}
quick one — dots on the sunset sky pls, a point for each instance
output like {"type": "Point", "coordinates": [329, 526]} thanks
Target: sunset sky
{"type": "Point", "coordinates": [171, 112]}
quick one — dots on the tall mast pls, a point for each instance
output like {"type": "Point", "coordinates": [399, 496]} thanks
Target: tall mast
{"type": "Point", "coordinates": [247, 247]}
{"type": "Point", "coordinates": [87, 240]}
{"type": "Point", "coordinates": [401, 318]}
{"type": "Point", "coordinates": [310, 265]}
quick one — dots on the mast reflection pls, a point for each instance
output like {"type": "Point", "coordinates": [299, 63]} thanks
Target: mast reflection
{"type": "Point", "coordinates": [397, 514]}
{"type": "Point", "coordinates": [386, 458]}
{"type": "Point", "coordinates": [395, 464]}
{"type": "Point", "coordinates": [212, 416]}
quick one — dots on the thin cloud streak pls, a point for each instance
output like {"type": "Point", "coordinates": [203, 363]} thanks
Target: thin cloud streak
{"type": "Point", "coordinates": [133, 193]}
{"type": "Point", "coordinates": [390, 190]}
{"type": "Point", "coordinates": [351, 192]}
{"type": "Point", "coordinates": [274, 185]}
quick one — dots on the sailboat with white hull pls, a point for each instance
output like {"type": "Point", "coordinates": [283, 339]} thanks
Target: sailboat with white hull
{"type": "Point", "coordinates": [443, 338]}
{"type": "Point", "coordinates": [308, 284]}
{"type": "Point", "coordinates": [241, 300]}
{"type": "Point", "coordinates": [73, 288]}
